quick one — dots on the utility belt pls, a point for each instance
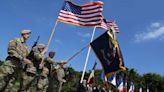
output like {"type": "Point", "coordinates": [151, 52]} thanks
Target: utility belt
{"type": "Point", "coordinates": [15, 62]}
{"type": "Point", "coordinates": [38, 72]}
{"type": "Point", "coordinates": [12, 58]}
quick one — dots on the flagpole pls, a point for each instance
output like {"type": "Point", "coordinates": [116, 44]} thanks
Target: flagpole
{"type": "Point", "coordinates": [86, 61]}
{"type": "Point", "coordinates": [77, 53]}
{"type": "Point", "coordinates": [50, 38]}
{"type": "Point", "coordinates": [52, 33]}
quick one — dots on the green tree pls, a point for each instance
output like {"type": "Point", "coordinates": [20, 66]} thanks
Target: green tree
{"type": "Point", "coordinates": [153, 81]}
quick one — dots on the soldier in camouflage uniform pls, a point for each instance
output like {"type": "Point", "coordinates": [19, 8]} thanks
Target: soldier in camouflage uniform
{"type": "Point", "coordinates": [52, 76]}
{"type": "Point", "coordinates": [49, 63]}
{"type": "Point", "coordinates": [36, 74]}
{"type": "Point", "coordinates": [60, 76]}
{"type": "Point", "coordinates": [42, 80]}
{"type": "Point", "coordinates": [17, 53]}
{"type": "Point", "coordinates": [52, 64]}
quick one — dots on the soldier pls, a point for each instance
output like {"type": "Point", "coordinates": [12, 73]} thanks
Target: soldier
{"type": "Point", "coordinates": [42, 80]}
{"type": "Point", "coordinates": [60, 75]}
{"type": "Point", "coordinates": [50, 63]}
{"type": "Point", "coordinates": [17, 53]}
{"type": "Point", "coordinates": [36, 74]}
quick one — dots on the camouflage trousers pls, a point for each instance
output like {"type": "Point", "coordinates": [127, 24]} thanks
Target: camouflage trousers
{"type": "Point", "coordinates": [42, 84]}
{"type": "Point", "coordinates": [30, 79]}
{"type": "Point", "coordinates": [53, 84]}
{"type": "Point", "coordinates": [9, 73]}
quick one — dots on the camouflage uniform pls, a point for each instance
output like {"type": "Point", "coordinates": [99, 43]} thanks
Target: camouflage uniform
{"type": "Point", "coordinates": [28, 78]}
{"type": "Point", "coordinates": [49, 63]}
{"type": "Point", "coordinates": [60, 76]}
{"type": "Point", "coordinates": [36, 77]}
{"type": "Point", "coordinates": [42, 81]}
{"type": "Point", "coordinates": [56, 73]}
{"type": "Point", "coordinates": [17, 51]}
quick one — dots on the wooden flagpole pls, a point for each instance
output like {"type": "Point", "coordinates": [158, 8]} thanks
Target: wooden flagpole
{"type": "Point", "coordinates": [86, 61]}
{"type": "Point", "coordinates": [50, 38]}
{"type": "Point", "coordinates": [52, 33]}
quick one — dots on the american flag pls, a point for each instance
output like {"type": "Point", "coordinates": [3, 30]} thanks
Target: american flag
{"type": "Point", "coordinates": [115, 26]}
{"type": "Point", "coordinates": [89, 14]}
{"type": "Point", "coordinates": [105, 24]}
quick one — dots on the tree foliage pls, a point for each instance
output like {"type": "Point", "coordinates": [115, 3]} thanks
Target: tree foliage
{"type": "Point", "coordinates": [153, 81]}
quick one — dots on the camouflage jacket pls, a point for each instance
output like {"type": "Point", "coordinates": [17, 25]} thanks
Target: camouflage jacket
{"type": "Point", "coordinates": [18, 49]}
{"type": "Point", "coordinates": [49, 62]}
{"type": "Point", "coordinates": [60, 74]}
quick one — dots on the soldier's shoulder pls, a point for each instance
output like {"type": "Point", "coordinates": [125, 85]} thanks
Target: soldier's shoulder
{"type": "Point", "coordinates": [15, 40]}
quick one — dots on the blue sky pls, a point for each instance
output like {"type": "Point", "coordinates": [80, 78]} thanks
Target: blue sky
{"type": "Point", "coordinates": [141, 36]}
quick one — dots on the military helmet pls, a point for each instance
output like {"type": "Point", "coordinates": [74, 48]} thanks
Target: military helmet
{"type": "Point", "coordinates": [62, 62]}
{"type": "Point", "coordinates": [52, 53]}
{"type": "Point", "coordinates": [25, 31]}
{"type": "Point", "coordinates": [41, 46]}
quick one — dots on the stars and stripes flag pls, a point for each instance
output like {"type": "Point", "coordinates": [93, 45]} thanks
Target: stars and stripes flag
{"type": "Point", "coordinates": [115, 26]}
{"type": "Point", "coordinates": [87, 15]}
{"type": "Point", "coordinates": [106, 24]}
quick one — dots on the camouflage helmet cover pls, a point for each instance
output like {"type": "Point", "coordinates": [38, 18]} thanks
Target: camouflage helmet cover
{"type": "Point", "coordinates": [25, 31]}
{"type": "Point", "coordinates": [41, 46]}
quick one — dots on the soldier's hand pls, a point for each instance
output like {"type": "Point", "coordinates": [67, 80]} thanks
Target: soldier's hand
{"type": "Point", "coordinates": [44, 51]}
{"type": "Point", "coordinates": [27, 61]}
{"type": "Point", "coordinates": [41, 66]}
{"type": "Point", "coordinates": [64, 80]}
{"type": "Point", "coordinates": [34, 48]}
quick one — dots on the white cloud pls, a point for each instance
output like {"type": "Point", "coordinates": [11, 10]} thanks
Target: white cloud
{"type": "Point", "coordinates": [154, 31]}
{"type": "Point", "coordinates": [155, 25]}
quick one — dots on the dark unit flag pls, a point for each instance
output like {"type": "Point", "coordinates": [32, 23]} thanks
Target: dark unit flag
{"type": "Point", "coordinates": [108, 51]}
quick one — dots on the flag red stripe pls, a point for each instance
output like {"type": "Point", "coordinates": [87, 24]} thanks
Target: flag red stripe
{"type": "Point", "coordinates": [80, 20]}
{"type": "Point", "coordinates": [91, 12]}
{"type": "Point", "coordinates": [92, 4]}
{"type": "Point", "coordinates": [78, 24]}
{"type": "Point", "coordinates": [92, 8]}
